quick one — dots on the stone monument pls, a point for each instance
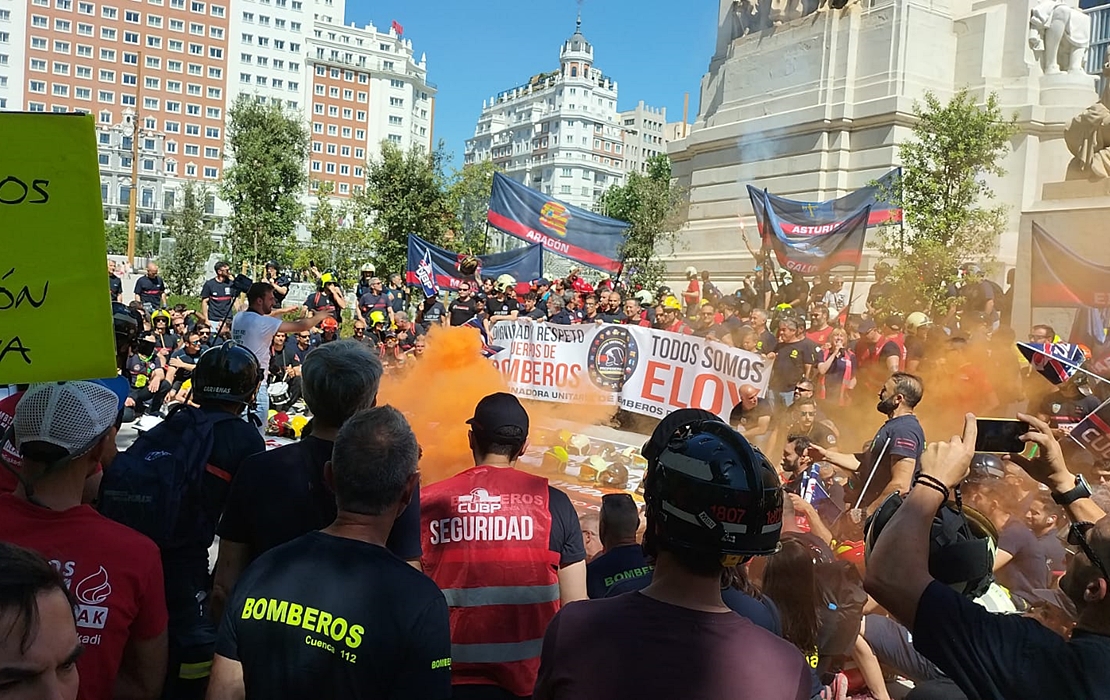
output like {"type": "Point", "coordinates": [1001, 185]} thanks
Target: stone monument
{"type": "Point", "coordinates": [809, 99]}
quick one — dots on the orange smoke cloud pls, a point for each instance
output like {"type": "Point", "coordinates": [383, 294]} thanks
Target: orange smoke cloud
{"type": "Point", "coordinates": [439, 392]}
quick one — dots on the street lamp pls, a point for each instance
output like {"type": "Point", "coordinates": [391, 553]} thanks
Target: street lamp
{"type": "Point", "coordinates": [131, 128]}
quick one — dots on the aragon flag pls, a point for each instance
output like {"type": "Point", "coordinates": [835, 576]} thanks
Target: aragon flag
{"type": "Point", "coordinates": [591, 239]}
{"type": "Point", "coordinates": [1061, 277]}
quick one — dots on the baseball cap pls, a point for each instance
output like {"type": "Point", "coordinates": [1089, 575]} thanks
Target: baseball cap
{"type": "Point", "coordinates": [68, 415]}
{"type": "Point", "coordinates": [500, 414]}
{"type": "Point", "coordinates": [894, 321]}
{"type": "Point", "coordinates": [543, 282]}
{"type": "Point", "coordinates": [866, 326]}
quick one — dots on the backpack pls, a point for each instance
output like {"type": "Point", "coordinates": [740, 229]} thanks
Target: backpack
{"type": "Point", "coordinates": [157, 480]}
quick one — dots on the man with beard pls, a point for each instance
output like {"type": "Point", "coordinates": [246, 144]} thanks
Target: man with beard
{"type": "Point", "coordinates": [1044, 518]}
{"type": "Point", "coordinates": [431, 314]}
{"type": "Point", "coordinates": [894, 456]}
{"type": "Point", "coordinates": [217, 297]}
{"type": "Point", "coordinates": [990, 655]}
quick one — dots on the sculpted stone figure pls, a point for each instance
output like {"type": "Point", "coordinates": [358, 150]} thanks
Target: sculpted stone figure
{"type": "Point", "coordinates": [1059, 35]}
{"type": "Point", "coordinates": [1088, 137]}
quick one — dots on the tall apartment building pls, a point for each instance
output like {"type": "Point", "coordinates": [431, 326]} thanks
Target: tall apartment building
{"type": "Point", "coordinates": [166, 72]}
{"type": "Point", "coordinates": [366, 87]}
{"type": "Point", "coordinates": [644, 135]}
{"type": "Point", "coordinates": [559, 132]}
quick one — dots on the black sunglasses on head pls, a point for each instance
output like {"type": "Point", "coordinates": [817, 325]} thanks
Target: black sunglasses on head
{"type": "Point", "coordinates": [1077, 537]}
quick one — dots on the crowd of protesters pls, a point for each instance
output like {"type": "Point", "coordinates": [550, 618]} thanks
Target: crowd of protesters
{"type": "Point", "coordinates": [338, 574]}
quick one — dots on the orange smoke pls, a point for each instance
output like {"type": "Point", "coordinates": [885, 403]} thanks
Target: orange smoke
{"type": "Point", "coordinates": [439, 392]}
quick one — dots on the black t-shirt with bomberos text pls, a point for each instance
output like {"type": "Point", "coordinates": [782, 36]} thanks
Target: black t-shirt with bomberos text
{"type": "Point", "coordinates": [462, 310]}
{"type": "Point", "coordinates": [331, 617]}
{"type": "Point", "coordinates": [618, 564]}
{"type": "Point", "coordinates": [281, 494]}
{"type": "Point", "coordinates": [220, 296]}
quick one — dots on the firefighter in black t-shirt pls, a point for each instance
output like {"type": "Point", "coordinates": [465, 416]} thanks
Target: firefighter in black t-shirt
{"type": "Point", "coordinates": [502, 305]}
{"type": "Point", "coordinates": [463, 308]}
{"type": "Point", "coordinates": [333, 613]}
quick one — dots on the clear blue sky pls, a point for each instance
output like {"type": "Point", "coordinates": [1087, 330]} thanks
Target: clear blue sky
{"type": "Point", "coordinates": [656, 50]}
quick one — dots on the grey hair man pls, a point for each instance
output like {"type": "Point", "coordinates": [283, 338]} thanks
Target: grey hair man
{"type": "Point", "coordinates": [263, 650]}
{"type": "Point", "coordinates": [282, 494]}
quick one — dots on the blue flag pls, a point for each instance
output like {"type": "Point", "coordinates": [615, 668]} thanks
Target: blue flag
{"type": "Point", "coordinates": [1056, 362]}
{"type": "Point", "coordinates": [524, 265]}
{"type": "Point", "coordinates": [426, 274]}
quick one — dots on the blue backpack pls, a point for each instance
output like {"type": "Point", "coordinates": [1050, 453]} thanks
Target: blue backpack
{"type": "Point", "coordinates": [156, 485]}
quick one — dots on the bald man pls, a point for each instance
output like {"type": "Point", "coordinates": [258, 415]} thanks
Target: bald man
{"type": "Point", "coordinates": [752, 416]}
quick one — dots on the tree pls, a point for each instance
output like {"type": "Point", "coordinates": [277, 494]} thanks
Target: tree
{"type": "Point", "coordinates": [267, 147]}
{"type": "Point", "coordinates": [191, 231]}
{"type": "Point", "coordinates": [469, 196]}
{"type": "Point", "coordinates": [340, 241]}
{"type": "Point", "coordinates": [115, 236]}
{"type": "Point", "coordinates": [652, 205]}
{"type": "Point", "coordinates": [945, 198]}
{"type": "Point", "coordinates": [405, 193]}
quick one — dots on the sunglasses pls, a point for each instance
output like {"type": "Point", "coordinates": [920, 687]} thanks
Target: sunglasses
{"type": "Point", "coordinates": [1077, 537]}
{"type": "Point", "coordinates": [801, 390]}
{"type": "Point", "coordinates": [304, 337]}
{"type": "Point", "coordinates": [809, 414]}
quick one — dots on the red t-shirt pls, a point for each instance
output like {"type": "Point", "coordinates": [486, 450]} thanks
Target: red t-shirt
{"type": "Point", "coordinates": [114, 573]}
{"type": "Point", "coordinates": [692, 295]}
{"type": "Point", "coordinates": [820, 338]}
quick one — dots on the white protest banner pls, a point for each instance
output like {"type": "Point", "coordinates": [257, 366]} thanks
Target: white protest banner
{"type": "Point", "coordinates": [643, 370]}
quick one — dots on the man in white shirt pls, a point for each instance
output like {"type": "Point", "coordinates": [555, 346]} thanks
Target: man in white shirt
{"type": "Point", "coordinates": [255, 329]}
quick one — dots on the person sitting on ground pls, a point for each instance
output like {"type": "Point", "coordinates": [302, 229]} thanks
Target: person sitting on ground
{"type": "Point", "coordinates": [184, 361]}
{"type": "Point", "coordinates": [375, 626]}
{"type": "Point", "coordinates": [148, 379]}
{"type": "Point", "coordinates": [622, 557]}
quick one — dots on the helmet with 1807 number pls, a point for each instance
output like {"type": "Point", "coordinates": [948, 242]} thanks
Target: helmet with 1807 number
{"type": "Point", "coordinates": [710, 491]}
{"type": "Point", "coordinates": [228, 372]}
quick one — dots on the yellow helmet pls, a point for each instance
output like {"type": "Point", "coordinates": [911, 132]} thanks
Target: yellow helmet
{"type": "Point", "coordinates": [298, 423]}
{"type": "Point", "coordinates": [672, 303]}
{"type": "Point", "coordinates": [161, 313]}
{"type": "Point", "coordinates": [377, 317]}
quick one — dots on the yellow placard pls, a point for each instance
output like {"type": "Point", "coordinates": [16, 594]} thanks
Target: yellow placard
{"type": "Point", "coordinates": [55, 311]}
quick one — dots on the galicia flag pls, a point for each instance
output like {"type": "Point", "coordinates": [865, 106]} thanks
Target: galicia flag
{"type": "Point", "coordinates": [427, 275]}
{"type": "Point", "coordinates": [488, 349]}
{"type": "Point", "coordinates": [810, 249]}
{"type": "Point", "coordinates": [1061, 277]}
{"type": "Point", "coordinates": [1056, 362]}
{"type": "Point", "coordinates": [524, 265]}
{"type": "Point", "coordinates": [1093, 432]}
{"type": "Point", "coordinates": [813, 218]}
{"type": "Point", "coordinates": [591, 239]}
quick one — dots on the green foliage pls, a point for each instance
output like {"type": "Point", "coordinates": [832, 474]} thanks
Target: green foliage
{"type": "Point", "coordinates": [945, 198]}
{"type": "Point", "coordinates": [469, 194]}
{"type": "Point", "coordinates": [652, 204]}
{"type": "Point", "coordinates": [115, 236]}
{"type": "Point", "coordinates": [268, 147]}
{"type": "Point", "coordinates": [341, 240]}
{"type": "Point", "coordinates": [405, 193]}
{"type": "Point", "coordinates": [191, 302]}
{"type": "Point", "coordinates": [191, 231]}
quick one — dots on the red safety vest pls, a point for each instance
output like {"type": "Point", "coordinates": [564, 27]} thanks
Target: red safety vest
{"type": "Point", "coordinates": [485, 535]}
{"type": "Point", "coordinates": [869, 361]}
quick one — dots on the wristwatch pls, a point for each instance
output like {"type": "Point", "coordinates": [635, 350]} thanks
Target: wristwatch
{"type": "Point", "coordinates": [1081, 490]}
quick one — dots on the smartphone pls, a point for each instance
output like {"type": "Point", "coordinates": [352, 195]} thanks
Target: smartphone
{"type": "Point", "coordinates": [1000, 435]}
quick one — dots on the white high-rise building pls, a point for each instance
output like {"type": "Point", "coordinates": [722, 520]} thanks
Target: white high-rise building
{"type": "Point", "coordinates": [559, 132]}
{"type": "Point", "coordinates": [644, 135]}
{"type": "Point", "coordinates": [267, 46]}
{"type": "Point", "coordinates": [13, 22]}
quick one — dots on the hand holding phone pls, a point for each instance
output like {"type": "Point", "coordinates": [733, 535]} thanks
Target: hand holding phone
{"type": "Point", "coordinates": [1000, 435]}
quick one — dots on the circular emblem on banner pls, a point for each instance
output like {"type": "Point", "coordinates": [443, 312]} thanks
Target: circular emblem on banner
{"type": "Point", "coordinates": [612, 358]}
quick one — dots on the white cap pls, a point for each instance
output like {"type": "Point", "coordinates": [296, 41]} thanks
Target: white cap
{"type": "Point", "coordinates": [69, 415]}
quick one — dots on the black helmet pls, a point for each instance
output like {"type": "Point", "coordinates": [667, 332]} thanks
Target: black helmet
{"type": "Point", "coordinates": [273, 264]}
{"type": "Point", "coordinates": [962, 543]}
{"type": "Point", "coordinates": [711, 491]}
{"type": "Point", "coordinates": [228, 372]}
{"type": "Point", "coordinates": [127, 323]}
{"type": "Point", "coordinates": [986, 465]}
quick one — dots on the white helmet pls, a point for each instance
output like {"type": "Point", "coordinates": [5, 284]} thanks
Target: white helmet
{"type": "Point", "coordinates": [644, 297]}
{"type": "Point", "coordinates": [691, 271]}
{"type": "Point", "coordinates": [917, 320]}
{"type": "Point", "coordinates": [368, 267]}
{"type": "Point", "coordinates": [505, 283]}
